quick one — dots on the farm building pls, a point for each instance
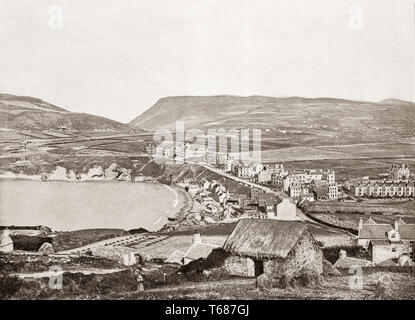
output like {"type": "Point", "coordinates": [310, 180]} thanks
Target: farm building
{"type": "Point", "coordinates": [386, 241]}
{"type": "Point", "coordinates": [6, 243]}
{"type": "Point", "coordinates": [258, 246]}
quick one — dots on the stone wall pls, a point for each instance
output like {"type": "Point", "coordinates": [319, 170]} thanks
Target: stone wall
{"type": "Point", "coordinates": [239, 266]}
{"type": "Point", "coordinates": [273, 267]}
{"type": "Point", "coordinates": [306, 254]}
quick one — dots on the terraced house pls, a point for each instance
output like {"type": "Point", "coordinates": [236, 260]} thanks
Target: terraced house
{"type": "Point", "coordinates": [382, 189]}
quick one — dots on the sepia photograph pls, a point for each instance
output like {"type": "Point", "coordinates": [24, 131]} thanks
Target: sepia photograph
{"type": "Point", "coordinates": [187, 150]}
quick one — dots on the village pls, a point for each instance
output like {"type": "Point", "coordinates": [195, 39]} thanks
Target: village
{"type": "Point", "coordinates": [254, 228]}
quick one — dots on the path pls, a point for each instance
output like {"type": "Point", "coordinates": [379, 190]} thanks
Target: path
{"type": "Point", "coordinates": [300, 213]}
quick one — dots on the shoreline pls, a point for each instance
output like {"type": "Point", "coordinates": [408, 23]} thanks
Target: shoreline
{"type": "Point", "coordinates": [181, 209]}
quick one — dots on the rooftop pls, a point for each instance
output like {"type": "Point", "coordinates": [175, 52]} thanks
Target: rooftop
{"type": "Point", "coordinates": [261, 238]}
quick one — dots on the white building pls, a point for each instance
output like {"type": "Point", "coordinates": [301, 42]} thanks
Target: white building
{"type": "Point", "coordinates": [284, 210]}
{"type": "Point", "coordinates": [6, 243]}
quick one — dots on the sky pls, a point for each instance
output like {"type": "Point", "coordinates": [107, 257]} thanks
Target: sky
{"type": "Point", "coordinates": [116, 58]}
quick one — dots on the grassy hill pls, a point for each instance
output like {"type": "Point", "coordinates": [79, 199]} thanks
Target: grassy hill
{"type": "Point", "coordinates": [28, 113]}
{"type": "Point", "coordinates": [310, 120]}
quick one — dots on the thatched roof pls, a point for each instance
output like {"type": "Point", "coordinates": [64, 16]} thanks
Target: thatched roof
{"type": "Point", "coordinates": [264, 238]}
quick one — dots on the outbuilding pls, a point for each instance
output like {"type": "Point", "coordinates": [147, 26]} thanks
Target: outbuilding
{"type": "Point", "coordinates": [258, 246]}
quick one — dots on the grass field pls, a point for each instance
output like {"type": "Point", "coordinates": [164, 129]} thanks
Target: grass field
{"type": "Point", "coordinates": [74, 239]}
{"type": "Point", "coordinates": [399, 286]}
{"type": "Point", "coordinates": [351, 221]}
{"type": "Point", "coordinates": [406, 208]}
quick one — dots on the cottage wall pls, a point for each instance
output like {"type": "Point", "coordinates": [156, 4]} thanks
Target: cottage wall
{"type": "Point", "coordinates": [239, 266]}
{"type": "Point", "coordinates": [385, 252]}
{"type": "Point", "coordinates": [273, 267]}
{"type": "Point", "coordinates": [306, 254]}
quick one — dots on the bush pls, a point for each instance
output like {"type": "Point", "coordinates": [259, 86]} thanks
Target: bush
{"type": "Point", "coordinates": [9, 286]}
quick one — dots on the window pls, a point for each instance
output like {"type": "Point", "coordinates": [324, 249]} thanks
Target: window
{"type": "Point", "coordinates": [393, 249]}
{"type": "Point", "coordinates": [393, 236]}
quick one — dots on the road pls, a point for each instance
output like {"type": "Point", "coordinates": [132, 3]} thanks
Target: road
{"type": "Point", "coordinates": [243, 181]}
{"type": "Point", "coordinates": [300, 213]}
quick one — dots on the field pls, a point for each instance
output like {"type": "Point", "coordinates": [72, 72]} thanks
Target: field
{"type": "Point", "coordinates": [73, 239]}
{"type": "Point", "coordinates": [98, 278]}
{"type": "Point", "coordinates": [351, 221]}
{"type": "Point", "coordinates": [400, 286]}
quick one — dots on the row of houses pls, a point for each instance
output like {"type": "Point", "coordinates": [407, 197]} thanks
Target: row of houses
{"type": "Point", "coordinates": [398, 183]}
{"type": "Point", "coordinates": [381, 188]}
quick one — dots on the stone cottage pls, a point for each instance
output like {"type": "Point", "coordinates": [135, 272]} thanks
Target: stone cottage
{"type": "Point", "coordinates": [258, 246]}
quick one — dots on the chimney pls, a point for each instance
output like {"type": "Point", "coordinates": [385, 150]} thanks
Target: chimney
{"type": "Point", "coordinates": [196, 238]}
{"type": "Point", "coordinates": [396, 225]}
{"type": "Point", "coordinates": [360, 225]}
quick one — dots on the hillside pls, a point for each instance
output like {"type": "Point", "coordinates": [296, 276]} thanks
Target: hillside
{"type": "Point", "coordinates": [27, 113]}
{"type": "Point", "coordinates": [314, 119]}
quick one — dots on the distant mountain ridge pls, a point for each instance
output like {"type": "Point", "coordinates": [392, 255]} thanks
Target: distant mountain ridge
{"type": "Point", "coordinates": [28, 113]}
{"type": "Point", "coordinates": [267, 112]}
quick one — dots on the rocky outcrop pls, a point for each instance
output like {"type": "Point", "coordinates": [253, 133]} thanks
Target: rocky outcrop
{"type": "Point", "coordinates": [114, 172]}
{"type": "Point", "coordinates": [60, 173]}
{"type": "Point", "coordinates": [111, 173]}
{"type": "Point", "coordinates": [95, 173]}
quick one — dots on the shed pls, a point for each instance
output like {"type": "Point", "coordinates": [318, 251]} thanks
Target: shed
{"type": "Point", "coordinates": [268, 246]}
